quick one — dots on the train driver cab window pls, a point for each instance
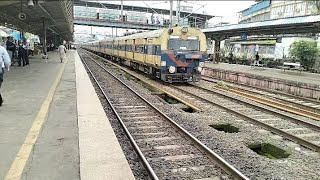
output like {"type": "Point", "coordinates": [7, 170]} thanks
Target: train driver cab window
{"type": "Point", "coordinates": [189, 44]}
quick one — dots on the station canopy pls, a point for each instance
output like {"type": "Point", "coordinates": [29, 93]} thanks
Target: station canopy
{"type": "Point", "coordinates": [57, 14]}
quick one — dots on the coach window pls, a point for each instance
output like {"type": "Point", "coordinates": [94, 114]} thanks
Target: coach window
{"type": "Point", "coordinates": [150, 49]}
{"type": "Point", "coordinates": [157, 50]}
{"type": "Point", "coordinates": [145, 49]}
{"type": "Point", "coordinates": [141, 49]}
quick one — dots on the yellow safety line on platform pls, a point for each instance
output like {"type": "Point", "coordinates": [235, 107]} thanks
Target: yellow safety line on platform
{"type": "Point", "coordinates": [22, 157]}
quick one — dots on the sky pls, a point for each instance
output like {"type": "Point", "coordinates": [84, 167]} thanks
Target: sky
{"type": "Point", "coordinates": [225, 10]}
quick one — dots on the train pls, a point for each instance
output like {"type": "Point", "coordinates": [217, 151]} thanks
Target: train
{"type": "Point", "coordinates": [174, 54]}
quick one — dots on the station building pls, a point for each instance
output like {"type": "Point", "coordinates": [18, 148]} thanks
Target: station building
{"type": "Point", "coordinates": [269, 47]}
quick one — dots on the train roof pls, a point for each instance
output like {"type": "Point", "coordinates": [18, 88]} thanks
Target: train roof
{"type": "Point", "coordinates": [91, 42]}
{"type": "Point", "coordinates": [107, 39]}
{"type": "Point", "coordinates": [147, 34]}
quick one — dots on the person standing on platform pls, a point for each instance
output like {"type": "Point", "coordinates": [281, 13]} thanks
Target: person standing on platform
{"type": "Point", "coordinates": [25, 46]}
{"type": "Point", "coordinates": [31, 48]}
{"type": "Point", "coordinates": [230, 58]}
{"type": "Point", "coordinates": [257, 59]}
{"type": "Point", "coordinates": [5, 62]}
{"type": "Point", "coordinates": [21, 53]}
{"type": "Point", "coordinates": [11, 48]}
{"type": "Point", "coordinates": [62, 52]}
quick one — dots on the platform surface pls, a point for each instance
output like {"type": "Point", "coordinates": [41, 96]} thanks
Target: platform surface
{"type": "Point", "coordinates": [288, 75]}
{"type": "Point", "coordinates": [40, 134]}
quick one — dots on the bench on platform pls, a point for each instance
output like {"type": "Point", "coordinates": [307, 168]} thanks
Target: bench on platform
{"type": "Point", "coordinates": [292, 66]}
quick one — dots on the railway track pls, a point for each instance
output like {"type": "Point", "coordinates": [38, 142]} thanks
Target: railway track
{"type": "Point", "coordinates": [165, 148]}
{"type": "Point", "coordinates": [161, 88]}
{"type": "Point", "coordinates": [300, 106]}
{"type": "Point", "coordinates": [304, 133]}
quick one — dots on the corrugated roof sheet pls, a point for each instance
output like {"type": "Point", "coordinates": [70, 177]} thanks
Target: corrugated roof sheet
{"type": "Point", "coordinates": [287, 21]}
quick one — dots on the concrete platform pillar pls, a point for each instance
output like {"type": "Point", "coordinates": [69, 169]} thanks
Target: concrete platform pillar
{"type": "Point", "coordinates": [45, 26]}
{"type": "Point", "coordinates": [217, 50]}
{"type": "Point", "coordinates": [217, 42]}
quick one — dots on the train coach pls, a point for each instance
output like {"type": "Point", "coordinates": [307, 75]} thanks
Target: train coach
{"type": "Point", "coordinates": [172, 54]}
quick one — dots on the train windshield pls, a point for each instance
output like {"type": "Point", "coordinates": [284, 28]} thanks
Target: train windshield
{"type": "Point", "coordinates": [179, 44]}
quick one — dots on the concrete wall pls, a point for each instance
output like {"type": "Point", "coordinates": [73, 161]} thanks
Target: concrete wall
{"type": "Point", "coordinates": [291, 87]}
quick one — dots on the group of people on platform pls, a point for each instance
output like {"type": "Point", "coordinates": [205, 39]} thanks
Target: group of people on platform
{"type": "Point", "coordinates": [19, 50]}
{"type": "Point", "coordinates": [9, 50]}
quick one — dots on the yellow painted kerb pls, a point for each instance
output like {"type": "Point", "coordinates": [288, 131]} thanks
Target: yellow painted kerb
{"type": "Point", "coordinates": [22, 157]}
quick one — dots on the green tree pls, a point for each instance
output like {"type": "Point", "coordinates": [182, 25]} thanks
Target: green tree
{"type": "Point", "coordinates": [306, 51]}
{"type": "Point", "coordinates": [316, 3]}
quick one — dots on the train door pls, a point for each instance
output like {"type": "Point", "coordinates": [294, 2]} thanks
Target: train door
{"type": "Point", "coordinates": [151, 48]}
{"type": "Point", "coordinates": [117, 48]}
{"type": "Point", "coordinates": [133, 48]}
{"type": "Point", "coordinates": [125, 48]}
{"type": "Point", "coordinates": [112, 48]}
{"type": "Point", "coordinates": [145, 50]}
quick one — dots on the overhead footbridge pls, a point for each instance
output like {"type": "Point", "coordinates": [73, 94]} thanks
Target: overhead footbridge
{"type": "Point", "coordinates": [118, 24]}
{"type": "Point", "coordinates": [294, 25]}
{"type": "Point", "coordinates": [133, 17]}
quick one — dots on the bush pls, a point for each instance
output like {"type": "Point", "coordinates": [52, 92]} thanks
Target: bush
{"type": "Point", "coordinates": [273, 64]}
{"type": "Point", "coordinates": [306, 51]}
{"type": "Point", "coordinates": [243, 61]}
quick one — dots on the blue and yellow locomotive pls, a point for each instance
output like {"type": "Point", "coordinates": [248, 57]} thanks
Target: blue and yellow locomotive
{"type": "Point", "coordinates": [172, 54]}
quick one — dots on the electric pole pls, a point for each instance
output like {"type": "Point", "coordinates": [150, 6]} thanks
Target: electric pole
{"type": "Point", "coordinates": [178, 12]}
{"type": "Point", "coordinates": [171, 4]}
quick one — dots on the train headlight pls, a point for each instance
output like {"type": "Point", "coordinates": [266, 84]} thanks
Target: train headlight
{"type": "Point", "coordinates": [199, 69]}
{"type": "Point", "coordinates": [201, 64]}
{"type": "Point", "coordinates": [163, 63]}
{"type": "Point", "coordinates": [172, 69]}
{"type": "Point", "coordinates": [184, 30]}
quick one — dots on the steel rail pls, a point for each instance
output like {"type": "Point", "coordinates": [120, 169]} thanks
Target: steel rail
{"type": "Point", "coordinates": [189, 104]}
{"type": "Point", "coordinates": [271, 128]}
{"type": "Point", "coordinates": [277, 103]}
{"type": "Point", "coordinates": [211, 79]}
{"type": "Point", "coordinates": [293, 119]}
{"type": "Point", "coordinates": [146, 164]}
{"type": "Point", "coordinates": [220, 161]}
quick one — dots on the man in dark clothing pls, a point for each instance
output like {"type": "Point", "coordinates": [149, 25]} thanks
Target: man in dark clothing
{"type": "Point", "coordinates": [21, 54]}
{"type": "Point", "coordinates": [257, 58]}
{"type": "Point", "coordinates": [230, 58]}
{"type": "Point", "coordinates": [11, 47]}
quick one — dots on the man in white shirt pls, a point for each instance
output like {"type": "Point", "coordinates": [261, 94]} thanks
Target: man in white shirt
{"type": "Point", "coordinates": [5, 62]}
{"type": "Point", "coordinates": [62, 52]}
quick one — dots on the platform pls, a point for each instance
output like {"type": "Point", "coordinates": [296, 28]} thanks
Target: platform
{"type": "Point", "coordinates": [294, 82]}
{"type": "Point", "coordinates": [51, 129]}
